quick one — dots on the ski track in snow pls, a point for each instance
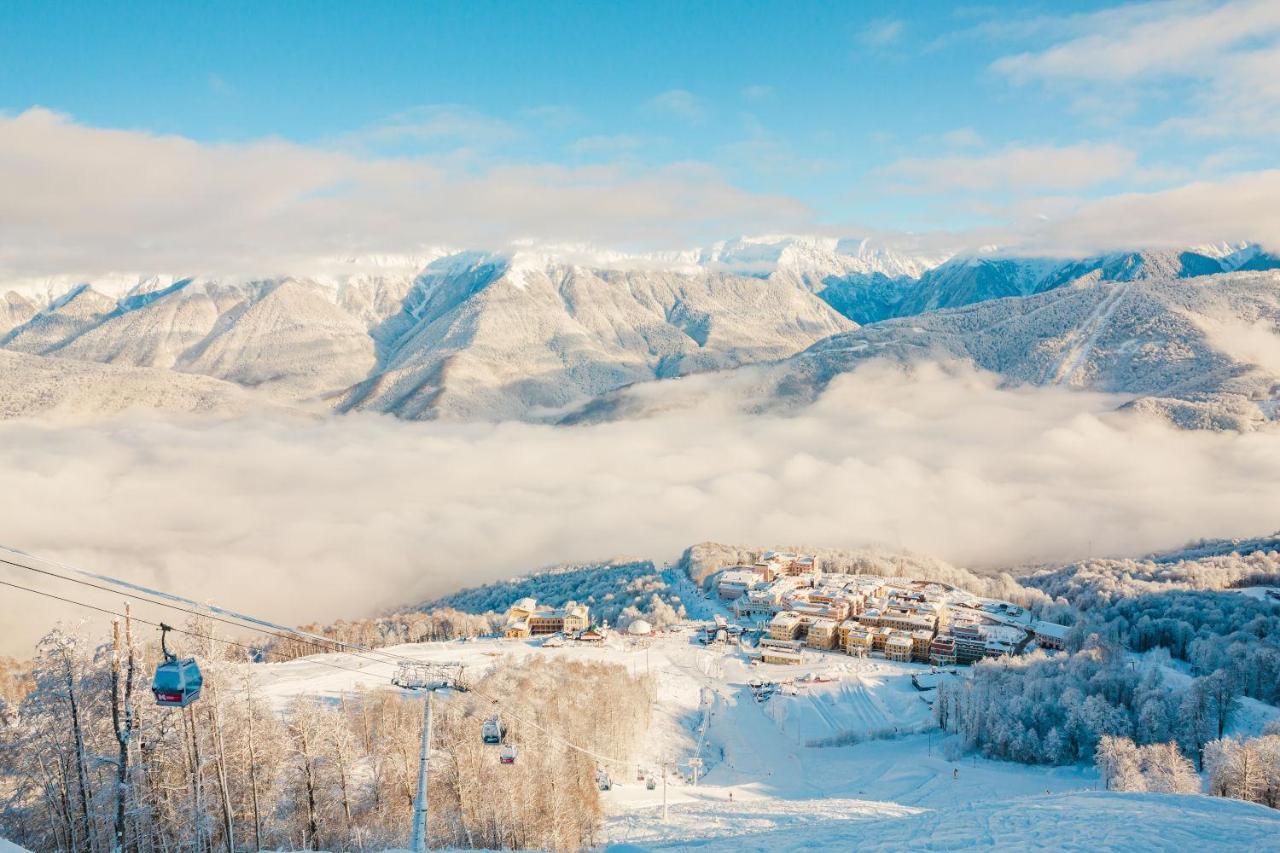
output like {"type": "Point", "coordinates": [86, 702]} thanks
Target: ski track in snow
{"type": "Point", "coordinates": [1083, 340]}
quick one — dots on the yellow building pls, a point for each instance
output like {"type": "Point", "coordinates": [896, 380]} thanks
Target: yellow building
{"type": "Point", "coordinates": [898, 647]}
{"type": "Point", "coordinates": [920, 641]}
{"type": "Point", "coordinates": [785, 626]}
{"type": "Point", "coordinates": [857, 642]}
{"type": "Point", "coordinates": [526, 619]}
{"type": "Point", "coordinates": [823, 633]}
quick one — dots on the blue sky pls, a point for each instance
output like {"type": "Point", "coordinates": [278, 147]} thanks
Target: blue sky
{"type": "Point", "coordinates": [927, 117]}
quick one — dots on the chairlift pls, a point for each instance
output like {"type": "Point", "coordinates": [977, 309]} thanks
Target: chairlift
{"type": "Point", "coordinates": [508, 754]}
{"type": "Point", "coordinates": [603, 782]}
{"type": "Point", "coordinates": [651, 783]}
{"type": "Point", "coordinates": [177, 680]}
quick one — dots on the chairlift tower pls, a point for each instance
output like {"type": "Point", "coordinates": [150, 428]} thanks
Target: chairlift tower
{"type": "Point", "coordinates": [428, 678]}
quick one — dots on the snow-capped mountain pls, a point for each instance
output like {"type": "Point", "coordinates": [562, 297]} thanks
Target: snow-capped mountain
{"type": "Point", "coordinates": [31, 386]}
{"type": "Point", "coordinates": [536, 331]}
{"type": "Point", "coordinates": [863, 280]}
{"type": "Point", "coordinates": [967, 279]}
{"type": "Point", "coordinates": [483, 336]}
{"type": "Point", "coordinates": [1202, 351]}
{"type": "Point", "coordinates": [465, 334]}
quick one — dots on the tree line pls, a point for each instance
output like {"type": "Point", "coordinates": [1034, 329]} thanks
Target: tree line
{"type": "Point", "coordinates": [88, 763]}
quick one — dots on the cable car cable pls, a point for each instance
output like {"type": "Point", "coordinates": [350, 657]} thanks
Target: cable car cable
{"type": "Point", "coordinates": [196, 609]}
{"type": "Point", "coordinates": [255, 624]}
{"type": "Point", "coordinates": [196, 634]}
{"type": "Point", "coordinates": [110, 612]}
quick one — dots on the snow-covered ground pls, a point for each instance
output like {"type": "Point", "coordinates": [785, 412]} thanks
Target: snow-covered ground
{"type": "Point", "coordinates": [1075, 821]}
{"type": "Point", "coordinates": [763, 788]}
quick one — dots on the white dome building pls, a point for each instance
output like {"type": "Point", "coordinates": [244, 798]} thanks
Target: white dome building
{"type": "Point", "coordinates": [639, 628]}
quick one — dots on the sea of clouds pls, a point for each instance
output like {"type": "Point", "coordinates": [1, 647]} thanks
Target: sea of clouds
{"type": "Point", "coordinates": [299, 519]}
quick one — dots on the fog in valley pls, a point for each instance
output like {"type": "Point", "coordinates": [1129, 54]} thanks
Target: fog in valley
{"type": "Point", "coordinates": [299, 519]}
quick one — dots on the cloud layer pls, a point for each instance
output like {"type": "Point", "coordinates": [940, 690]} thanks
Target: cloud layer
{"type": "Point", "coordinates": [80, 199]}
{"type": "Point", "coordinates": [301, 520]}
{"type": "Point", "coordinates": [84, 201]}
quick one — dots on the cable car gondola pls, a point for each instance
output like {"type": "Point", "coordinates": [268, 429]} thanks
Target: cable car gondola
{"type": "Point", "coordinates": [492, 731]}
{"type": "Point", "coordinates": [508, 754]}
{"type": "Point", "coordinates": [177, 681]}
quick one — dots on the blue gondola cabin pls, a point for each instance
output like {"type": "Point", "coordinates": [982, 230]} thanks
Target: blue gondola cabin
{"type": "Point", "coordinates": [177, 683]}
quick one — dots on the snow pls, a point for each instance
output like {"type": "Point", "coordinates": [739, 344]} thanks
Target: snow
{"type": "Point", "coordinates": [757, 773]}
{"type": "Point", "coordinates": [538, 332]}
{"type": "Point", "coordinates": [10, 847]}
{"type": "Point", "coordinates": [1264, 593]}
{"type": "Point", "coordinates": [765, 786]}
{"type": "Point", "coordinates": [1144, 341]}
{"type": "Point", "coordinates": [1073, 821]}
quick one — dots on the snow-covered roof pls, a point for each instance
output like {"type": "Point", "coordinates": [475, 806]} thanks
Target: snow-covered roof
{"type": "Point", "coordinates": [1050, 629]}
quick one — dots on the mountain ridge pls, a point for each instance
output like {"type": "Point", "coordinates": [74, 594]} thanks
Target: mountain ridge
{"type": "Point", "coordinates": [537, 332]}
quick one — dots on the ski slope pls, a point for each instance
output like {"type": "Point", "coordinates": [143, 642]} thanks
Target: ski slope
{"type": "Point", "coordinates": [1076, 821]}
{"type": "Point", "coordinates": [763, 788]}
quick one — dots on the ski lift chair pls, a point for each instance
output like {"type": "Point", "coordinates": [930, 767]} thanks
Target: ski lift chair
{"type": "Point", "coordinates": [177, 681]}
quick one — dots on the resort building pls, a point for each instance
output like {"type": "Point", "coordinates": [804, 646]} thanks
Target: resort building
{"type": "Point", "coordinates": [823, 633]}
{"type": "Point", "coordinates": [898, 647]}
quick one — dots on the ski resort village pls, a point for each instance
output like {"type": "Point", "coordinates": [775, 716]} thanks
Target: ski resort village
{"type": "Point", "coordinates": [739, 700]}
{"type": "Point", "coordinates": [794, 606]}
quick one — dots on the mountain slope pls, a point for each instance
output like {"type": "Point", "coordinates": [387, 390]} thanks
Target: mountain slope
{"type": "Point", "coordinates": [970, 279]}
{"type": "Point", "coordinates": [37, 386]}
{"type": "Point", "coordinates": [468, 335]}
{"type": "Point", "coordinates": [510, 338]}
{"type": "Point", "coordinates": [535, 332]}
{"type": "Point", "coordinates": [1203, 352]}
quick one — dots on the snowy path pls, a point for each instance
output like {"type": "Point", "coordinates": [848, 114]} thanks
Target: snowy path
{"type": "Point", "coordinates": [1082, 341]}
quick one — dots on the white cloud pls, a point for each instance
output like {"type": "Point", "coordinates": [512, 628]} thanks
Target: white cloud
{"type": "Point", "coordinates": [1149, 39]}
{"type": "Point", "coordinates": [1015, 168]}
{"type": "Point", "coordinates": [1241, 207]}
{"type": "Point", "coordinates": [677, 103]}
{"type": "Point", "coordinates": [881, 33]}
{"type": "Point", "coordinates": [343, 517]}
{"type": "Point", "coordinates": [83, 200]}
{"type": "Point", "coordinates": [450, 124]}
{"type": "Point", "coordinates": [1226, 53]}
